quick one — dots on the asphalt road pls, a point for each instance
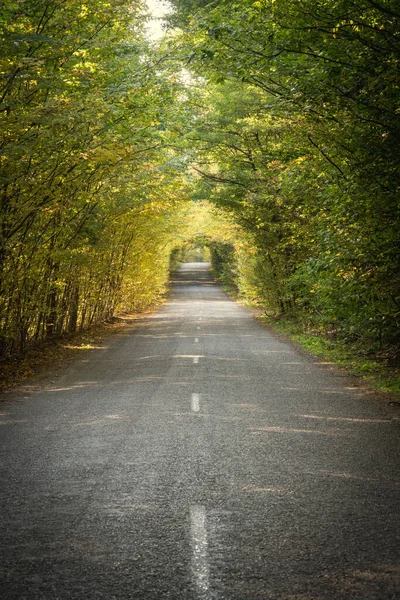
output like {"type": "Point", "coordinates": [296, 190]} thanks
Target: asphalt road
{"type": "Point", "coordinates": [196, 456]}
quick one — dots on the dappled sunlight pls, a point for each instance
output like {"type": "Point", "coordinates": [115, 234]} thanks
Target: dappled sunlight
{"type": "Point", "coordinates": [265, 490]}
{"type": "Point", "coordinates": [249, 406]}
{"type": "Point", "coordinates": [381, 572]}
{"type": "Point", "coordinates": [121, 509]}
{"type": "Point", "coordinates": [355, 581]}
{"type": "Point", "coordinates": [230, 359]}
{"type": "Point", "coordinates": [213, 321]}
{"type": "Point", "coordinates": [271, 429]}
{"type": "Point", "coordinates": [76, 386]}
{"type": "Point", "coordinates": [292, 363]}
{"type": "Point", "coordinates": [357, 477]}
{"type": "Point", "coordinates": [293, 389]}
{"type": "Point", "coordinates": [132, 380]}
{"type": "Point", "coordinates": [319, 363]}
{"type": "Point", "coordinates": [161, 336]}
{"type": "Point", "coordinates": [158, 322]}
{"type": "Point", "coordinates": [185, 381]}
{"type": "Point", "coordinates": [204, 334]}
{"type": "Point", "coordinates": [195, 282]}
{"type": "Point", "coordinates": [206, 450]}
{"type": "Point", "coordinates": [101, 420]}
{"type": "Point", "coordinates": [144, 378]}
{"type": "Point", "coordinates": [72, 425]}
{"type": "Point", "coordinates": [192, 414]}
{"type": "Point", "coordinates": [249, 335]}
{"type": "Point", "coordinates": [85, 347]}
{"type": "Point", "coordinates": [275, 352]}
{"type": "Point", "coordinates": [164, 356]}
{"type": "Point", "coordinates": [240, 377]}
{"type": "Point", "coordinates": [373, 581]}
{"type": "Point", "coordinates": [327, 391]}
{"type": "Point", "coordinates": [345, 419]}
{"type": "Point", "coordinates": [114, 417]}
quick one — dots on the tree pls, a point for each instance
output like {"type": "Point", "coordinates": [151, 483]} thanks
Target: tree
{"type": "Point", "coordinates": [81, 105]}
{"type": "Point", "coordinates": [329, 73]}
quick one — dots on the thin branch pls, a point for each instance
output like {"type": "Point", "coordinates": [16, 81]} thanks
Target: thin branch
{"type": "Point", "coordinates": [219, 179]}
{"type": "Point", "coordinates": [326, 156]}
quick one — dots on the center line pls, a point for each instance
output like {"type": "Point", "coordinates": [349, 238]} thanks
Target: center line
{"type": "Point", "coordinates": [195, 402]}
{"type": "Point", "coordinates": [200, 568]}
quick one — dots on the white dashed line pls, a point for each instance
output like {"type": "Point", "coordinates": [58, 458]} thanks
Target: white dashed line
{"type": "Point", "coordinates": [195, 402]}
{"type": "Point", "coordinates": [196, 360]}
{"type": "Point", "coordinates": [200, 568]}
{"type": "Point", "coordinates": [196, 341]}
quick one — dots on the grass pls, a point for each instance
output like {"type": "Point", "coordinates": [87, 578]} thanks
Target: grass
{"type": "Point", "coordinates": [374, 369]}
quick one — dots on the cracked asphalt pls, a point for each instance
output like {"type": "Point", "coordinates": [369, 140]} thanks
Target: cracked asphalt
{"type": "Point", "coordinates": [196, 455]}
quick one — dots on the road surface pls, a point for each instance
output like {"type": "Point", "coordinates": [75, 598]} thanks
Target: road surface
{"type": "Point", "coordinates": [195, 456]}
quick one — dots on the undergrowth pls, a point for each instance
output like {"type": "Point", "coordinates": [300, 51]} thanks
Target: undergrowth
{"type": "Point", "coordinates": [376, 368]}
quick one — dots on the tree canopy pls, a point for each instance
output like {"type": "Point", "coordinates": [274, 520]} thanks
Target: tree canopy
{"type": "Point", "coordinates": [302, 142]}
{"type": "Point", "coordinates": [284, 114]}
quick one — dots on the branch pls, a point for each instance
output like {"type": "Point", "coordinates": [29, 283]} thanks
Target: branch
{"type": "Point", "coordinates": [326, 156]}
{"type": "Point", "coordinates": [219, 179]}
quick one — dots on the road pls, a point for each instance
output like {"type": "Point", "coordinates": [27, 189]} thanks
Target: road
{"type": "Point", "coordinates": [197, 456]}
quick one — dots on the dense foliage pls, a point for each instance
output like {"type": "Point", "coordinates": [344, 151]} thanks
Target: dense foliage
{"type": "Point", "coordinates": [283, 113]}
{"type": "Point", "coordinates": [299, 137]}
{"type": "Point", "coordinates": [86, 209]}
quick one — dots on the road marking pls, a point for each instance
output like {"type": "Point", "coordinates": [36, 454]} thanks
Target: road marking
{"type": "Point", "coordinates": [200, 568]}
{"type": "Point", "coordinates": [196, 340]}
{"type": "Point", "coordinates": [198, 326]}
{"type": "Point", "coordinates": [196, 360]}
{"type": "Point", "coordinates": [195, 402]}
